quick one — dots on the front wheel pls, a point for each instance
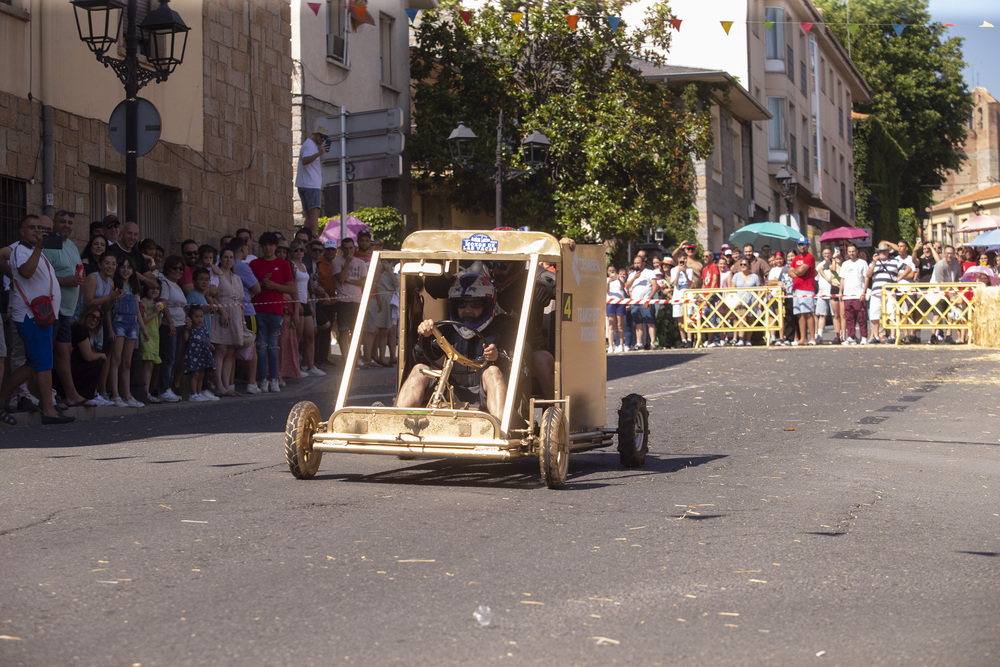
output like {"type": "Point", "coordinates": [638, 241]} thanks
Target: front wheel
{"type": "Point", "coordinates": [303, 421]}
{"type": "Point", "coordinates": [633, 431]}
{"type": "Point", "coordinates": [553, 451]}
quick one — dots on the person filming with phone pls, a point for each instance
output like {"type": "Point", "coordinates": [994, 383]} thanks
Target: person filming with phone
{"type": "Point", "coordinates": [309, 176]}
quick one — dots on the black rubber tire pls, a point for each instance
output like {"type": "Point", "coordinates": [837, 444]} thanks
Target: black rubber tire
{"type": "Point", "coordinates": [633, 431]}
{"type": "Point", "coordinates": [303, 421]}
{"type": "Point", "coordinates": [553, 449]}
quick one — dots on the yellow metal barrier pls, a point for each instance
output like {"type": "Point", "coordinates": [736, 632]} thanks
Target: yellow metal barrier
{"type": "Point", "coordinates": [927, 306]}
{"type": "Point", "coordinates": [734, 310]}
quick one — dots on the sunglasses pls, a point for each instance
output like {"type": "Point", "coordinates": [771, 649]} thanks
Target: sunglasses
{"type": "Point", "coordinates": [190, 253]}
{"type": "Point", "coordinates": [66, 213]}
{"type": "Point", "coordinates": [113, 225]}
{"type": "Point", "coordinates": [298, 249]}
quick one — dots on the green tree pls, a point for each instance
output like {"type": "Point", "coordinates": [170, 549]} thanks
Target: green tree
{"type": "Point", "coordinates": [622, 149]}
{"type": "Point", "coordinates": [920, 103]}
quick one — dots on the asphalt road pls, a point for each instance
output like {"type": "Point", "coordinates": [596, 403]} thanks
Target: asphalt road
{"type": "Point", "coordinates": [798, 506]}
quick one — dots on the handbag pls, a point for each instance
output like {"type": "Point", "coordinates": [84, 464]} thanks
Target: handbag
{"type": "Point", "coordinates": [41, 306]}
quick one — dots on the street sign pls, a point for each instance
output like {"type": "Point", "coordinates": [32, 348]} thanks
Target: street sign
{"type": "Point", "coordinates": [366, 122]}
{"type": "Point", "coordinates": [148, 128]}
{"type": "Point", "coordinates": [387, 143]}
{"type": "Point", "coordinates": [370, 169]}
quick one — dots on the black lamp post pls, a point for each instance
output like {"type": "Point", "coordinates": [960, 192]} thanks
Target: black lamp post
{"type": "Point", "coordinates": [99, 24]}
{"type": "Point", "coordinates": [789, 188]}
{"type": "Point", "coordinates": [462, 141]}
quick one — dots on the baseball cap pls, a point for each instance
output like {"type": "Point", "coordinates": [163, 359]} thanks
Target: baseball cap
{"type": "Point", "coordinates": [803, 240]}
{"type": "Point", "coordinates": [331, 244]}
{"type": "Point", "coordinates": [728, 251]}
{"type": "Point", "coordinates": [726, 246]}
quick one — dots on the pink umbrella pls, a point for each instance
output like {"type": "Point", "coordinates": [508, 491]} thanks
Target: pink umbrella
{"type": "Point", "coordinates": [973, 273]}
{"type": "Point", "coordinates": [980, 223]}
{"type": "Point", "coordinates": [332, 230]}
{"type": "Point", "coordinates": [845, 233]}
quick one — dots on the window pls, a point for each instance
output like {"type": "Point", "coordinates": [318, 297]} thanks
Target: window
{"type": "Point", "coordinates": [803, 78]}
{"type": "Point", "coordinates": [774, 39]}
{"type": "Point", "coordinates": [793, 151]}
{"type": "Point", "coordinates": [717, 150]}
{"type": "Point", "coordinates": [822, 74]}
{"type": "Point", "coordinates": [806, 165]}
{"type": "Point", "coordinates": [777, 130]}
{"type": "Point", "coordinates": [738, 154]}
{"type": "Point", "coordinates": [337, 32]}
{"type": "Point", "coordinates": [790, 64]}
{"type": "Point", "coordinates": [385, 34]}
{"type": "Point", "coordinates": [840, 120]}
{"type": "Point", "coordinates": [13, 207]}
{"type": "Point", "coordinates": [107, 195]}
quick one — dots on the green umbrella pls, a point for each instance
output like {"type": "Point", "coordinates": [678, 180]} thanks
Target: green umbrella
{"type": "Point", "coordinates": [778, 236]}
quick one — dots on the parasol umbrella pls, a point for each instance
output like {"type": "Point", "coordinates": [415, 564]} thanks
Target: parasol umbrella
{"type": "Point", "coordinates": [972, 275]}
{"type": "Point", "coordinates": [979, 223]}
{"type": "Point", "coordinates": [332, 230]}
{"type": "Point", "coordinates": [845, 233]}
{"type": "Point", "coordinates": [989, 238]}
{"type": "Point", "coordinates": [774, 234]}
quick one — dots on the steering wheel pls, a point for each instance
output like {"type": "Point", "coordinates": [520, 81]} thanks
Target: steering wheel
{"type": "Point", "coordinates": [451, 352]}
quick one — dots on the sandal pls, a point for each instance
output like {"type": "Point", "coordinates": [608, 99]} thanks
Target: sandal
{"type": "Point", "coordinates": [6, 417]}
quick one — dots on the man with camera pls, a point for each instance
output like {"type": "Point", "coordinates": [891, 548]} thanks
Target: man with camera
{"type": "Point", "coordinates": [309, 177]}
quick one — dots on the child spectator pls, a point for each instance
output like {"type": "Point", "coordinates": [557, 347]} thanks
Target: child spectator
{"type": "Point", "coordinates": [198, 357]}
{"type": "Point", "coordinates": [125, 327]}
{"type": "Point", "coordinates": [172, 329]}
{"type": "Point", "coordinates": [151, 311]}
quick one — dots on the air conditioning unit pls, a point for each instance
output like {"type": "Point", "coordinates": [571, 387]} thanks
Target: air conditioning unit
{"type": "Point", "coordinates": [336, 47]}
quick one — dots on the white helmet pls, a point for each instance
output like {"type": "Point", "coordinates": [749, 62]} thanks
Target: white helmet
{"type": "Point", "coordinates": [470, 285]}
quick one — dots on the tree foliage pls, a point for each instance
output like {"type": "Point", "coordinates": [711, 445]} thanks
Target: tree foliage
{"type": "Point", "coordinates": [622, 149]}
{"type": "Point", "coordinates": [920, 101]}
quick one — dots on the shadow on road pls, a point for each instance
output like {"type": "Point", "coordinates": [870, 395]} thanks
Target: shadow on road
{"type": "Point", "coordinates": [622, 365]}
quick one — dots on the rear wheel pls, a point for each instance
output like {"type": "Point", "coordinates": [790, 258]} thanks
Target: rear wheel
{"type": "Point", "coordinates": [553, 450]}
{"type": "Point", "coordinates": [303, 421]}
{"type": "Point", "coordinates": [633, 431]}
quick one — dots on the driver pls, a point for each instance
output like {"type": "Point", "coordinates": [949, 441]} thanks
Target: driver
{"type": "Point", "coordinates": [472, 301]}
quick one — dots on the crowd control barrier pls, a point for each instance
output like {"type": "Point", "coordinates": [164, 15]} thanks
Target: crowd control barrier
{"type": "Point", "coordinates": [931, 306]}
{"type": "Point", "coordinates": [733, 310]}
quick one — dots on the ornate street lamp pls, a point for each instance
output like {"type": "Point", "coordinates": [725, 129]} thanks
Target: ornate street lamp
{"type": "Point", "coordinates": [789, 187]}
{"type": "Point", "coordinates": [99, 24]}
{"type": "Point", "coordinates": [462, 143]}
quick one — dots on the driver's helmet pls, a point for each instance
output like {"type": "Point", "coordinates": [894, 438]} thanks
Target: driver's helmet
{"type": "Point", "coordinates": [470, 285]}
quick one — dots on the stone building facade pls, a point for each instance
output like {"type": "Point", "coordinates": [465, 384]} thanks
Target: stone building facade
{"type": "Point", "coordinates": [981, 151]}
{"type": "Point", "coordinates": [223, 160]}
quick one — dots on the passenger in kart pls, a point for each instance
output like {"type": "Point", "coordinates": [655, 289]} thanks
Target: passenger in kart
{"type": "Point", "coordinates": [472, 301]}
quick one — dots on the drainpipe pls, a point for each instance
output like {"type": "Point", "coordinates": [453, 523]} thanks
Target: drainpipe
{"type": "Point", "coordinates": [48, 159]}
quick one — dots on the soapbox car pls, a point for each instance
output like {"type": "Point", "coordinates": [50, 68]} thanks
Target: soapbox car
{"type": "Point", "coordinates": [571, 419]}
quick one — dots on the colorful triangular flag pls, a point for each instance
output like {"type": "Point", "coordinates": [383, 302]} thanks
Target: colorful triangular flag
{"type": "Point", "coordinates": [899, 28]}
{"type": "Point", "coordinates": [360, 11]}
{"type": "Point", "coordinates": [726, 25]}
{"type": "Point", "coordinates": [614, 22]}
{"type": "Point", "coordinates": [571, 19]}
{"type": "Point", "coordinates": [412, 13]}
{"type": "Point", "coordinates": [768, 24]}
{"type": "Point", "coordinates": [315, 7]}
{"type": "Point", "coordinates": [466, 16]}
{"type": "Point", "coordinates": [949, 25]}
{"type": "Point", "coordinates": [807, 27]}
{"type": "Point", "coordinates": [676, 23]}
{"type": "Point", "coordinates": [516, 17]}
{"type": "Point", "coordinates": [986, 24]}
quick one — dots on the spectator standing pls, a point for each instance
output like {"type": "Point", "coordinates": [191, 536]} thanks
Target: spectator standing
{"type": "Point", "coordinates": [111, 229]}
{"type": "Point", "coordinates": [305, 328]}
{"type": "Point", "coordinates": [883, 270]}
{"type": "Point", "coordinates": [251, 288]}
{"type": "Point", "coordinates": [326, 302]}
{"type": "Point", "coordinates": [151, 311]}
{"type": "Point", "coordinates": [68, 268]}
{"type": "Point", "coordinates": [615, 312]}
{"type": "Point", "coordinates": [288, 344]}
{"type": "Point", "coordinates": [745, 278]}
{"type": "Point", "coordinates": [247, 236]}
{"type": "Point", "coordinates": [189, 250]}
{"type": "Point", "coordinates": [761, 267]}
{"type": "Point", "coordinates": [947, 270]}
{"type": "Point", "coordinates": [364, 253]}
{"type": "Point", "coordinates": [309, 177]}
{"type": "Point", "coordinates": [803, 272]}
{"type": "Point", "coordinates": [32, 277]}
{"type": "Point", "coordinates": [778, 277]}
{"type": "Point", "coordinates": [350, 273]}
{"type": "Point", "coordinates": [91, 255]}
{"type": "Point", "coordinates": [711, 278]}
{"type": "Point", "coordinates": [823, 293]}
{"type": "Point", "coordinates": [640, 285]}
{"type": "Point", "coordinates": [682, 277]}
{"type": "Point", "coordinates": [689, 250]}
{"type": "Point", "coordinates": [226, 332]}
{"type": "Point", "coordinates": [126, 325]}
{"type": "Point", "coordinates": [830, 272]}
{"type": "Point", "coordinates": [198, 354]}
{"type": "Point", "coordinates": [275, 278]}
{"type": "Point", "coordinates": [128, 248]}
{"type": "Point", "coordinates": [853, 278]}
{"type": "Point", "coordinates": [172, 328]}
{"type": "Point", "coordinates": [387, 318]}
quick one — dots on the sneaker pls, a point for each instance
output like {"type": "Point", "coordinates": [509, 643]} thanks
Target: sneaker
{"type": "Point", "coordinates": [949, 340]}
{"type": "Point", "coordinates": [812, 342]}
{"type": "Point", "coordinates": [874, 341]}
{"type": "Point", "coordinates": [848, 341]}
{"type": "Point", "coordinates": [274, 388]}
{"type": "Point", "coordinates": [169, 396]}
{"type": "Point", "coordinates": [712, 344]}
{"type": "Point", "coordinates": [795, 342]}
{"type": "Point", "coordinates": [132, 403]}
{"type": "Point", "coordinates": [303, 370]}
{"type": "Point", "coordinates": [209, 396]}
{"type": "Point", "coordinates": [863, 341]}
{"type": "Point", "coordinates": [637, 348]}
{"type": "Point", "coordinates": [282, 383]}
{"type": "Point", "coordinates": [253, 388]}
{"type": "Point", "coordinates": [152, 399]}
{"type": "Point", "coordinates": [611, 349]}
{"type": "Point", "coordinates": [619, 349]}
{"type": "Point", "coordinates": [119, 403]}
{"type": "Point", "coordinates": [197, 398]}
{"type": "Point", "coordinates": [315, 372]}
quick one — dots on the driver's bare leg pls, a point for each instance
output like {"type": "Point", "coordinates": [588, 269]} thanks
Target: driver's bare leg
{"type": "Point", "coordinates": [543, 369]}
{"type": "Point", "coordinates": [414, 390]}
{"type": "Point", "coordinates": [495, 386]}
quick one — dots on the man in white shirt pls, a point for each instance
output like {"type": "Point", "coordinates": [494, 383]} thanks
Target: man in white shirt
{"type": "Point", "coordinates": [309, 178]}
{"type": "Point", "coordinates": [641, 283]}
{"type": "Point", "coordinates": [853, 277]}
{"type": "Point", "coordinates": [33, 277]}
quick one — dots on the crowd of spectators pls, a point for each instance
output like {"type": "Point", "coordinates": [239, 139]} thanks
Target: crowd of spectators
{"type": "Point", "coordinates": [89, 328]}
{"type": "Point", "coordinates": [841, 291]}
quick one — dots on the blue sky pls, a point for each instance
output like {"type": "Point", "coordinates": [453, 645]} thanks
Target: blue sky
{"type": "Point", "coordinates": [981, 48]}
